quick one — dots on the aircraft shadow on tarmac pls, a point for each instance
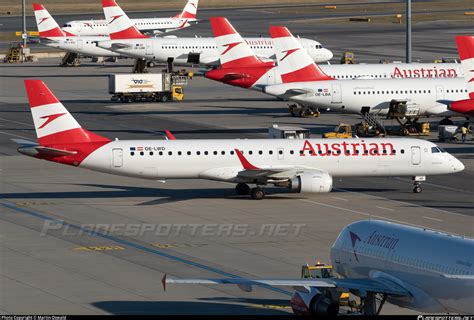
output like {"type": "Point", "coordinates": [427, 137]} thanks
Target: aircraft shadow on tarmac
{"type": "Point", "coordinates": [251, 307]}
{"type": "Point", "coordinates": [159, 195]}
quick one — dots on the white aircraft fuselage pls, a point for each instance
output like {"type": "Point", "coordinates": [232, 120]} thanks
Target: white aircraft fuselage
{"type": "Point", "coordinates": [427, 96]}
{"type": "Point", "coordinates": [216, 159]}
{"type": "Point", "coordinates": [204, 51]}
{"type": "Point", "coordinates": [99, 27]}
{"type": "Point", "coordinates": [85, 45]}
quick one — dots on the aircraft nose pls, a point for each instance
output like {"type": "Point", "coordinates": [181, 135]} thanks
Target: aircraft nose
{"type": "Point", "coordinates": [458, 165]}
{"type": "Point", "coordinates": [328, 54]}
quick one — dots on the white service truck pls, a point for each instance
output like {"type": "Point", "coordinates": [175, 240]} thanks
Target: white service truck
{"type": "Point", "coordinates": [142, 87]}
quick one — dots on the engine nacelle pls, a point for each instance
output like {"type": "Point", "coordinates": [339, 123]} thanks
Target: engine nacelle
{"type": "Point", "coordinates": [323, 305]}
{"type": "Point", "coordinates": [311, 182]}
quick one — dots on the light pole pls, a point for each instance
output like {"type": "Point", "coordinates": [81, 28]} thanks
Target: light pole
{"type": "Point", "coordinates": [408, 32]}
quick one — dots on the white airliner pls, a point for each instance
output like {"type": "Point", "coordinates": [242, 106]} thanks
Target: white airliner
{"type": "Point", "coordinates": [304, 82]}
{"type": "Point", "coordinates": [241, 67]}
{"type": "Point", "coordinates": [411, 267]}
{"type": "Point", "coordinates": [299, 165]}
{"type": "Point", "coordinates": [153, 25]}
{"type": "Point", "coordinates": [126, 39]}
{"type": "Point", "coordinates": [53, 36]}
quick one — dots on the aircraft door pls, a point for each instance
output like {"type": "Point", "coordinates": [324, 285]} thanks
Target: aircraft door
{"type": "Point", "coordinates": [281, 153]}
{"type": "Point", "coordinates": [80, 43]}
{"type": "Point", "coordinates": [415, 155]}
{"type": "Point", "coordinates": [439, 92]}
{"type": "Point", "coordinates": [117, 158]}
{"type": "Point", "coordinates": [336, 93]}
{"type": "Point", "coordinates": [149, 48]}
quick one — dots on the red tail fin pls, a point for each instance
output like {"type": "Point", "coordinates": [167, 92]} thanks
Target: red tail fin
{"type": "Point", "coordinates": [293, 61]}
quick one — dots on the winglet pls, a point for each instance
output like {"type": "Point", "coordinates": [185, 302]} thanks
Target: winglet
{"type": "Point", "coordinates": [169, 135]}
{"type": "Point", "coordinates": [245, 163]}
{"type": "Point", "coordinates": [163, 281]}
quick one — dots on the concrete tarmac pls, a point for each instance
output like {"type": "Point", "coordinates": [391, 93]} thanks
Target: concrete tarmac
{"type": "Point", "coordinates": [50, 263]}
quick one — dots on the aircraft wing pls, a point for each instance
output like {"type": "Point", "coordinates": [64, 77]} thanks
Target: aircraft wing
{"type": "Point", "coordinates": [377, 285]}
{"type": "Point", "coordinates": [252, 172]}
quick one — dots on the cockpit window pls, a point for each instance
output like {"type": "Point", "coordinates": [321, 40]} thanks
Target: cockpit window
{"type": "Point", "coordinates": [67, 26]}
{"type": "Point", "coordinates": [318, 46]}
{"type": "Point", "coordinates": [437, 150]}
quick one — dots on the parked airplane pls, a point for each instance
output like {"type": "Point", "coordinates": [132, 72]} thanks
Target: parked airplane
{"type": "Point", "coordinates": [415, 268]}
{"type": "Point", "coordinates": [305, 83]}
{"type": "Point", "coordinates": [466, 52]}
{"type": "Point", "coordinates": [126, 39]}
{"type": "Point", "coordinates": [299, 165]}
{"type": "Point", "coordinates": [241, 67]}
{"type": "Point", "coordinates": [153, 25]}
{"type": "Point", "coordinates": [53, 36]}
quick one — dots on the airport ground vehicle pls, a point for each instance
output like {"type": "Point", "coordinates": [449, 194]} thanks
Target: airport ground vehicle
{"type": "Point", "coordinates": [323, 271]}
{"type": "Point", "coordinates": [347, 58]}
{"type": "Point", "coordinates": [287, 132]}
{"type": "Point", "coordinates": [341, 131]}
{"type": "Point", "coordinates": [146, 87]}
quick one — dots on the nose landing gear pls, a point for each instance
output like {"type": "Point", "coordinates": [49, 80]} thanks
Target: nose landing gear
{"type": "Point", "coordinates": [417, 183]}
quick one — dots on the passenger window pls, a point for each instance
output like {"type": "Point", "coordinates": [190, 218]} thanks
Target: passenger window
{"type": "Point", "coordinates": [170, 153]}
{"type": "Point", "coordinates": [151, 153]}
{"type": "Point", "coordinates": [215, 153]}
{"type": "Point", "coordinates": [179, 153]}
{"type": "Point", "coordinates": [402, 151]}
{"type": "Point", "coordinates": [142, 153]}
{"type": "Point", "coordinates": [160, 153]}
{"type": "Point", "coordinates": [270, 152]}
{"type": "Point", "coordinates": [189, 153]}
{"type": "Point", "coordinates": [132, 153]}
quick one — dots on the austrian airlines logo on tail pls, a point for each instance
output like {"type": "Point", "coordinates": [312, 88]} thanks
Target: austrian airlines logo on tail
{"type": "Point", "coordinates": [50, 118]}
{"type": "Point", "coordinates": [230, 46]}
{"type": "Point", "coordinates": [115, 18]}
{"type": "Point", "coordinates": [43, 20]}
{"type": "Point", "coordinates": [288, 52]}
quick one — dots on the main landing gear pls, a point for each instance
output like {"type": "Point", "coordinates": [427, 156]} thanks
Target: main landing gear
{"type": "Point", "coordinates": [417, 183]}
{"type": "Point", "coordinates": [243, 189]}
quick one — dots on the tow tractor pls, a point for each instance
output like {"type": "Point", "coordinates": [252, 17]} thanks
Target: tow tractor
{"type": "Point", "coordinates": [362, 129]}
{"type": "Point", "coordinates": [322, 271]}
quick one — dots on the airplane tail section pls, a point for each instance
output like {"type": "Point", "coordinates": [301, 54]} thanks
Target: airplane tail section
{"type": "Point", "coordinates": [294, 63]}
{"type": "Point", "coordinates": [119, 24]}
{"type": "Point", "coordinates": [47, 26]}
{"type": "Point", "coordinates": [234, 52]}
{"type": "Point", "coordinates": [465, 46]}
{"type": "Point", "coordinates": [189, 11]}
{"type": "Point", "coordinates": [55, 126]}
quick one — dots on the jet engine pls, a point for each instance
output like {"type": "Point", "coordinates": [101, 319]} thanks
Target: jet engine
{"type": "Point", "coordinates": [323, 305]}
{"type": "Point", "coordinates": [311, 182]}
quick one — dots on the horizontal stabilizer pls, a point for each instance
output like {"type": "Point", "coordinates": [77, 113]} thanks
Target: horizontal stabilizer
{"type": "Point", "coordinates": [41, 151]}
